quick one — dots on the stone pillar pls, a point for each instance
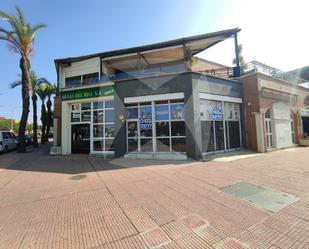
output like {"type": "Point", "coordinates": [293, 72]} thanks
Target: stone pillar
{"type": "Point", "coordinates": [260, 137]}
{"type": "Point", "coordinates": [193, 123]}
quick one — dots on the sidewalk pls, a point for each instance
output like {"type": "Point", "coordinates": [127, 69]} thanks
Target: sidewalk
{"type": "Point", "coordinates": [90, 202]}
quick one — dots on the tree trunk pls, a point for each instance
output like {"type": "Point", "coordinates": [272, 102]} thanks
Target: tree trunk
{"type": "Point", "coordinates": [48, 118]}
{"type": "Point", "coordinates": [35, 119]}
{"type": "Point", "coordinates": [24, 66]}
{"type": "Point", "coordinates": [43, 119]}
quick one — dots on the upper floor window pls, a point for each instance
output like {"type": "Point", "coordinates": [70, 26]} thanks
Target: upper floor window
{"type": "Point", "coordinates": [79, 80]}
{"type": "Point", "coordinates": [90, 78]}
{"type": "Point", "coordinates": [73, 81]}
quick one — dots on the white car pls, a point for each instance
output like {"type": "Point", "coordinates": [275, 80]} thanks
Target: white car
{"type": "Point", "coordinates": [8, 141]}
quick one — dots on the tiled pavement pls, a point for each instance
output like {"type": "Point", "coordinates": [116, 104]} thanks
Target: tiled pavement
{"type": "Point", "coordinates": [172, 205]}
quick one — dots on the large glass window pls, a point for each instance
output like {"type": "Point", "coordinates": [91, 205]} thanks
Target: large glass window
{"type": "Point", "coordinates": [103, 126]}
{"type": "Point", "coordinates": [232, 125]}
{"type": "Point", "coordinates": [90, 78]}
{"type": "Point", "coordinates": [100, 114]}
{"type": "Point", "coordinates": [220, 125]}
{"type": "Point", "coordinates": [161, 131]}
{"type": "Point", "coordinates": [75, 113]}
{"type": "Point", "coordinates": [73, 81]}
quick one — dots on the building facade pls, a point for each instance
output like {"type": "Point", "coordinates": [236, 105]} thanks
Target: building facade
{"type": "Point", "coordinates": [155, 101]}
{"type": "Point", "coordinates": [162, 101]}
{"type": "Point", "coordinates": [274, 108]}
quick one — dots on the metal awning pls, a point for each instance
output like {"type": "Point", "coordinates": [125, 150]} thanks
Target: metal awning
{"type": "Point", "coordinates": [169, 51]}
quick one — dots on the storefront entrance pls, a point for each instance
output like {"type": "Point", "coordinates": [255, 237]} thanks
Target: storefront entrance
{"type": "Point", "coordinates": [268, 127]}
{"type": "Point", "coordinates": [220, 125]}
{"type": "Point", "coordinates": [93, 127]}
{"type": "Point", "coordinates": [81, 138]}
{"type": "Point", "coordinates": [156, 127]}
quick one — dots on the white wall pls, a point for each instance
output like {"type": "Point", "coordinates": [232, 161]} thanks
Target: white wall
{"type": "Point", "coordinates": [79, 68]}
{"type": "Point", "coordinates": [65, 128]}
{"type": "Point", "coordinates": [281, 122]}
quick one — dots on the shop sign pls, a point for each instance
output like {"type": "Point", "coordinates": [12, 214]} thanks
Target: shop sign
{"type": "Point", "coordinates": [86, 93]}
{"type": "Point", "coordinates": [216, 114]}
{"type": "Point", "coordinates": [145, 124]}
{"type": "Point", "coordinates": [75, 115]}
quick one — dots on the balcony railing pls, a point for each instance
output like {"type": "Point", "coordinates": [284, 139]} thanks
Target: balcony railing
{"type": "Point", "coordinates": [256, 66]}
{"type": "Point", "coordinates": [226, 72]}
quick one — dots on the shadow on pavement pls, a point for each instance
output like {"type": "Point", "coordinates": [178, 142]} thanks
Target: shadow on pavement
{"type": "Point", "coordinates": [39, 160]}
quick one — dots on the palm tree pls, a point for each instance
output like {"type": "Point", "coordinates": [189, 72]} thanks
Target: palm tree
{"type": "Point", "coordinates": [20, 40]}
{"type": "Point", "coordinates": [34, 81]}
{"type": "Point", "coordinates": [240, 57]}
{"type": "Point", "coordinates": [42, 90]}
{"type": "Point", "coordinates": [51, 89]}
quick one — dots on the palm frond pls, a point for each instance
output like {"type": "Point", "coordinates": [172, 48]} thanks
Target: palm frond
{"type": "Point", "coordinates": [37, 27]}
{"type": "Point", "coordinates": [7, 32]}
{"type": "Point", "coordinates": [4, 38]}
{"type": "Point", "coordinates": [5, 16]}
{"type": "Point", "coordinates": [22, 35]}
{"type": "Point", "coordinates": [15, 84]}
{"type": "Point", "coordinates": [43, 81]}
{"type": "Point", "coordinates": [21, 16]}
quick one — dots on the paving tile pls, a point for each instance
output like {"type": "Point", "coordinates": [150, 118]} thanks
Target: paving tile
{"type": "Point", "coordinates": [231, 244]}
{"type": "Point", "coordinates": [194, 222]}
{"type": "Point", "coordinates": [176, 230]}
{"type": "Point", "coordinates": [155, 238]}
{"type": "Point", "coordinates": [155, 205]}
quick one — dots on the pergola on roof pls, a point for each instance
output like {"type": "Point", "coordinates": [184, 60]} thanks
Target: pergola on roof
{"type": "Point", "coordinates": [168, 51]}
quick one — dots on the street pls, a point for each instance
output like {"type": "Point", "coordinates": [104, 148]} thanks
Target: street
{"type": "Point", "coordinates": [91, 202]}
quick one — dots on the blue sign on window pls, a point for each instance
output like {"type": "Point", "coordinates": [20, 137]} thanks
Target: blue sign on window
{"type": "Point", "coordinates": [162, 112]}
{"type": "Point", "coordinates": [216, 114]}
{"type": "Point", "coordinates": [145, 124]}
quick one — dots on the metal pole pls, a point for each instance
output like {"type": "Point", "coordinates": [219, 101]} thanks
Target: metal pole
{"type": "Point", "coordinates": [237, 71]}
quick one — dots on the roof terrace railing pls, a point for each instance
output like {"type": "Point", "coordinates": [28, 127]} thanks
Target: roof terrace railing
{"type": "Point", "coordinates": [256, 66]}
{"type": "Point", "coordinates": [225, 72]}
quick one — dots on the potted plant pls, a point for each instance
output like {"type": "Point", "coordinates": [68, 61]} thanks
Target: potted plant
{"type": "Point", "coordinates": [305, 140]}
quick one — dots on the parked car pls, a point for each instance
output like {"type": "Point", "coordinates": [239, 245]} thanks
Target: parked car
{"type": "Point", "coordinates": [28, 139]}
{"type": "Point", "coordinates": [8, 141]}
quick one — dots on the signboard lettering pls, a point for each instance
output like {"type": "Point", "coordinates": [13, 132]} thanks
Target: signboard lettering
{"type": "Point", "coordinates": [88, 93]}
{"type": "Point", "coordinates": [216, 114]}
{"type": "Point", "coordinates": [145, 124]}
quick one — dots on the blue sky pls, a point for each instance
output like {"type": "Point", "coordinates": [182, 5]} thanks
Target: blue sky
{"type": "Point", "coordinates": [270, 30]}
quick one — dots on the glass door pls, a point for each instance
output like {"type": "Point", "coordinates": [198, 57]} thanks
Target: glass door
{"type": "Point", "coordinates": [156, 126]}
{"type": "Point", "coordinates": [81, 138]}
{"type": "Point", "coordinates": [220, 125]}
{"type": "Point", "coordinates": [232, 125]}
{"type": "Point", "coordinates": [146, 128]}
{"type": "Point", "coordinates": [269, 135]}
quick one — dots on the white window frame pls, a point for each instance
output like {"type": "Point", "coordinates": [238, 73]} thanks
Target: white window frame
{"type": "Point", "coordinates": [222, 100]}
{"type": "Point", "coordinates": [91, 123]}
{"type": "Point", "coordinates": [154, 122]}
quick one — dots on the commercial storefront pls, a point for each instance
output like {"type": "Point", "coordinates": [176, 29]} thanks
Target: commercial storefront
{"type": "Point", "coordinates": [221, 125]}
{"type": "Point", "coordinates": [154, 101]}
{"type": "Point", "coordinates": [88, 122]}
{"type": "Point", "coordinates": [122, 119]}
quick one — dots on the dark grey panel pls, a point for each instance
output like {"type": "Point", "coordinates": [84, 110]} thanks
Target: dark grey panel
{"type": "Point", "coordinates": [213, 85]}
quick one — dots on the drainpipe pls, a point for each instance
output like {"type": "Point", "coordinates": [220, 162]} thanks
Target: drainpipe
{"type": "Point", "coordinates": [237, 68]}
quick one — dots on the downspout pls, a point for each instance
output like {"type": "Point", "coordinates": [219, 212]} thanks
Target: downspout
{"type": "Point", "coordinates": [237, 68]}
